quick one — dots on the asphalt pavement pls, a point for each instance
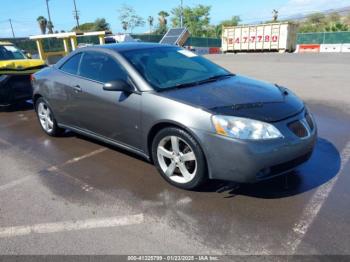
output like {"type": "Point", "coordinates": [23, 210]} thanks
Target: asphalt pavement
{"type": "Point", "coordinates": [73, 195]}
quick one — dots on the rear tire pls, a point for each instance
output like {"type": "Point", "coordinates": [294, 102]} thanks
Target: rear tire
{"type": "Point", "coordinates": [179, 158]}
{"type": "Point", "coordinates": [46, 118]}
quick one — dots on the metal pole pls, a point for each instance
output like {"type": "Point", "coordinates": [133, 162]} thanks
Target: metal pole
{"type": "Point", "coordinates": [150, 31]}
{"type": "Point", "coordinates": [48, 10]}
{"type": "Point", "coordinates": [49, 24]}
{"type": "Point", "coordinates": [324, 37]}
{"type": "Point", "coordinates": [13, 32]}
{"type": "Point", "coordinates": [76, 13]}
{"type": "Point", "coordinates": [181, 15]}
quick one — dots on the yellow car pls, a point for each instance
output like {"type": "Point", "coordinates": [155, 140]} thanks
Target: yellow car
{"type": "Point", "coordinates": [15, 71]}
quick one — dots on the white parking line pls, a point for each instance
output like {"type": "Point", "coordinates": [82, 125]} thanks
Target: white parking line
{"type": "Point", "coordinates": [77, 159]}
{"type": "Point", "coordinates": [2, 141]}
{"type": "Point", "coordinates": [53, 168]}
{"type": "Point", "coordinates": [71, 226]}
{"type": "Point", "coordinates": [15, 183]}
{"type": "Point", "coordinates": [314, 205]}
{"type": "Point", "coordinates": [14, 123]}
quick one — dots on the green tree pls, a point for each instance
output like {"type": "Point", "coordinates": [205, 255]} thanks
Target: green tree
{"type": "Point", "coordinates": [319, 22]}
{"type": "Point", "coordinates": [316, 18]}
{"type": "Point", "coordinates": [234, 21]}
{"type": "Point", "coordinates": [314, 23]}
{"type": "Point", "coordinates": [307, 28]}
{"type": "Point", "coordinates": [335, 23]}
{"type": "Point", "coordinates": [100, 24]}
{"type": "Point", "coordinates": [196, 19]}
{"type": "Point", "coordinates": [150, 20]}
{"type": "Point", "coordinates": [129, 19]}
{"type": "Point", "coordinates": [274, 15]}
{"type": "Point", "coordinates": [336, 27]}
{"type": "Point", "coordinates": [162, 17]}
{"type": "Point", "coordinates": [86, 27]}
{"type": "Point", "coordinates": [50, 27]}
{"type": "Point", "coordinates": [163, 23]}
{"type": "Point", "coordinates": [42, 21]}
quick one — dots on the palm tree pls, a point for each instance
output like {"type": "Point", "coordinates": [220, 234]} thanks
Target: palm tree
{"type": "Point", "coordinates": [150, 22]}
{"type": "Point", "coordinates": [125, 26]}
{"type": "Point", "coordinates": [50, 27]}
{"type": "Point", "coordinates": [274, 15]}
{"type": "Point", "coordinates": [42, 24]}
{"type": "Point", "coordinates": [162, 18]}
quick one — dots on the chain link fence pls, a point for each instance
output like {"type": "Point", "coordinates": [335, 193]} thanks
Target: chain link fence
{"type": "Point", "coordinates": [324, 38]}
{"type": "Point", "coordinates": [192, 41]}
{"type": "Point", "coordinates": [57, 44]}
{"type": "Point", "coordinates": [22, 43]}
{"type": "Point", "coordinates": [302, 38]}
{"type": "Point", "coordinates": [148, 38]}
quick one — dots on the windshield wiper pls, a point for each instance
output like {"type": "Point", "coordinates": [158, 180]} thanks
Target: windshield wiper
{"type": "Point", "coordinates": [214, 78]}
{"type": "Point", "coordinates": [200, 82]}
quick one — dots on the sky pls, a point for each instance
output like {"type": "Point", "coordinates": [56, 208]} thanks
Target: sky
{"type": "Point", "coordinates": [24, 12]}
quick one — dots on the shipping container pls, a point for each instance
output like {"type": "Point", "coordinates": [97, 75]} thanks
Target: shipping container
{"type": "Point", "coordinates": [263, 37]}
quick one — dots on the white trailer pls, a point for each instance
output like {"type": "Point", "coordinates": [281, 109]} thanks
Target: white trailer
{"type": "Point", "coordinates": [279, 37]}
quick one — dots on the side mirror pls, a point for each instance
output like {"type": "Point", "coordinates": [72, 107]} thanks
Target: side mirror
{"type": "Point", "coordinates": [118, 85]}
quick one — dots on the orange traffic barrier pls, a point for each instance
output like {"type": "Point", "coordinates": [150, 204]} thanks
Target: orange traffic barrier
{"type": "Point", "coordinates": [214, 50]}
{"type": "Point", "coordinates": [309, 48]}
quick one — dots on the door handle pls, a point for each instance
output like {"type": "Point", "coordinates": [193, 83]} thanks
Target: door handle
{"type": "Point", "coordinates": [77, 88]}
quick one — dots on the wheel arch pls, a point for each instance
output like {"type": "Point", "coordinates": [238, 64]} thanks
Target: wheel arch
{"type": "Point", "coordinates": [35, 98]}
{"type": "Point", "coordinates": [166, 124]}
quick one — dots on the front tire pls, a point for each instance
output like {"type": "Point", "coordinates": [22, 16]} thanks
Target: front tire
{"type": "Point", "coordinates": [46, 118]}
{"type": "Point", "coordinates": [179, 158]}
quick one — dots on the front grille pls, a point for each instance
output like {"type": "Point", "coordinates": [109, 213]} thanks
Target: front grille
{"type": "Point", "coordinates": [298, 128]}
{"type": "Point", "coordinates": [290, 165]}
{"type": "Point", "coordinates": [284, 167]}
{"type": "Point", "coordinates": [309, 121]}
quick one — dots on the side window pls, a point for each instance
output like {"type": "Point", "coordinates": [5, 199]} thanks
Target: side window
{"type": "Point", "coordinates": [71, 66]}
{"type": "Point", "coordinates": [112, 70]}
{"type": "Point", "coordinates": [101, 67]}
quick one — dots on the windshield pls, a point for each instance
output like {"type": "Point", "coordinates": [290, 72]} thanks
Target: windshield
{"type": "Point", "coordinates": [10, 52]}
{"type": "Point", "coordinates": [172, 67]}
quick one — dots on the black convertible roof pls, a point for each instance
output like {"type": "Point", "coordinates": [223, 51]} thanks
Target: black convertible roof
{"type": "Point", "coordinates": [132, 46]}
{"type": "Point", "coordinates": [114, 47]}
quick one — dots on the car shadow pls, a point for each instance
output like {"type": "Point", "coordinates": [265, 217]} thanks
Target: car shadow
{"type": "Point", "coordinates": [69, 133]}
{"type": "Point", "coordinates": [20, 106]}
{"type": "Point", "coordinates": [323, 165]}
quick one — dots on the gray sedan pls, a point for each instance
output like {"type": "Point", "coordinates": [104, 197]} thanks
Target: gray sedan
{"type": "Point", "coordinates": [192, 118]}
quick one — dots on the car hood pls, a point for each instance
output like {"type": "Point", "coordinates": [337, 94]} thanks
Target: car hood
{"type": "Point", "coordinates": [22, 66]}
{"type": "Point", "coordinates": [240, 96]}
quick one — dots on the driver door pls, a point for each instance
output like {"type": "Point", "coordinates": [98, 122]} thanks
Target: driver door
{"type": "Point", "coordinates": [111, 114]}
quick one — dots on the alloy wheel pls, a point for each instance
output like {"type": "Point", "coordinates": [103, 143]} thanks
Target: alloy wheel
{"type": "Point", "coordinates": [177, 159]}
{"type": "Point", "coordinates": [45, 117]}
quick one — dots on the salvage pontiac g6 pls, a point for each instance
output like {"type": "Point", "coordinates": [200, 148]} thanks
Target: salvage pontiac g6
{"type": "Point", "coordinates": [191, 117]}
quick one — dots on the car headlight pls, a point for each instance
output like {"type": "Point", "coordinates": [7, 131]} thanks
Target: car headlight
{"type": "Point", "coordinates": [244, 128]}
